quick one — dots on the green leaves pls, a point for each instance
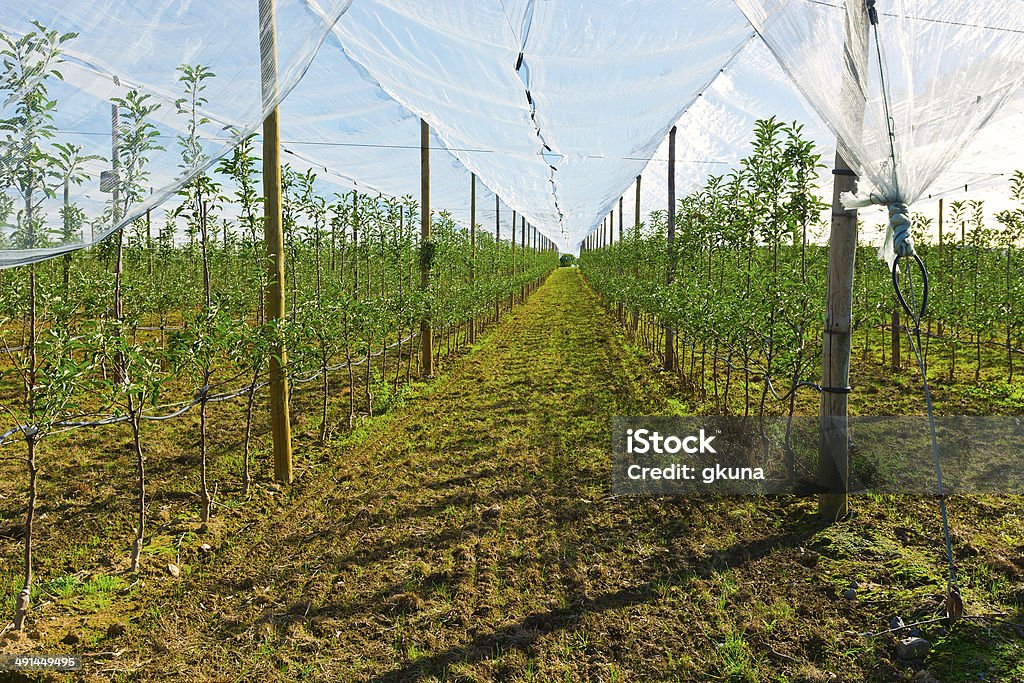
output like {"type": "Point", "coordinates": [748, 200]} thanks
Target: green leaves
{"type": "Point", "coordinates": [26, 163]}
{"type": "Point", "coordinates": [193, 79]}
{"type": "Point", "coordinates": [747, 281]}
{"type": "Point", "coordinates": [137, 138]}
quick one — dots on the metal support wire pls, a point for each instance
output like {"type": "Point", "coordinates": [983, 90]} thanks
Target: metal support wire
{"type": "Point", "coordinates": [899, 223]}
{"type": "Point", "coordinates": [954, 603]}
{"type": "Point", "coordinates": [202, 395]}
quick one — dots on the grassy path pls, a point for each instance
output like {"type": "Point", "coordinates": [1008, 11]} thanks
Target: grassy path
{"type": "Point", "coordinates": [468, 508]}
{"type": "Point", "coordinates": [471, 536]}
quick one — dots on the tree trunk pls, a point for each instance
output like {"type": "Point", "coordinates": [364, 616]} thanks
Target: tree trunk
{"type": "Point", "coordinates": [140, 466]}
{"type": "Point", "coordinates": [323, 396]}
{"type": "Point", "coordinates": [246, 475]}
{"type": "Point", "coordinates": [204, 494]}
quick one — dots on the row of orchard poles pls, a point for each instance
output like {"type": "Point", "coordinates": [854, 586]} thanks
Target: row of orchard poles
{"type": "Point", "coordinates": [274, 293]}
{"type": "Point", "coordinates": [833, 444]}
{"type": "Point", "coordinates": [606, 234]}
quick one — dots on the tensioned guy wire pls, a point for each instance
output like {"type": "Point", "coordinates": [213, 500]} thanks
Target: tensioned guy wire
{"type": "Point", "coordinates": [904, 248]}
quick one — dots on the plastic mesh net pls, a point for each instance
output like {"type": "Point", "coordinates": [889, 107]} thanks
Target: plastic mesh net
{"type": "Point", "coordinates": [556, 107]}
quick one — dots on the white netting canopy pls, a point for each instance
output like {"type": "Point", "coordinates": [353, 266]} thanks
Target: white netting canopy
{"type": "Point", "coordinates": [556, 106]}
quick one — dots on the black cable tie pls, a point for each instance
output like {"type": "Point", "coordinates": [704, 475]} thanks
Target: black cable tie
{"type": "Point", "coordinates": [519, 61]}
{"type": "Point", "coordinates": [872, 12]}
{"type": "Point", "coordinates": [844, 171]}
{"type": "Point", "coordinates": [837, 390]}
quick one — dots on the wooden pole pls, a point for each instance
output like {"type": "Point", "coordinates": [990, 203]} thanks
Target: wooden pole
{"type": "Point", "coordinates": [940, 254]}
{"type": "Point", "coordinates": [670, 341]}
{"type": "Point", "coordinates": [149, 236]}
{"type": "Point", "coordinates": [522, 239]}
{"type": "Point", "coordinates": [497, 248]}
{"type": "Point", "coordinates": [833, 445]}
{"type": "Point", "coordinates": [355, 244]}
{"type": "Point", "coordinates": [426, 250]}
{"type": "Point", "coordinates": [833, 441]}
{"type": "Point", "coordinates": [115, 164]}
{"type": "Point", "coordinates": [67, 233]}
{"type": "Point", "coordinates": [940, 223]}
{"type": "Point", "coordinates": [895, 331]}
{"type": "Point", "coordinates": [636, 251]}
{"type": "Point", "coordinates": [620, 218]}
{"type": "Point", "coordinates": [636, 223]}
{"type": "Point", "coordinates": [273, 236]}
{"type": "Point", "coordinates": [513, 231]}
{"type": "Point", "coordinates": [472, 242]}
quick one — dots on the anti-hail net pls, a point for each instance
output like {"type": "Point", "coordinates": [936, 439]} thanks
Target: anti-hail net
{"type": "Point", "coordinates": [555, 106]}
{"type": "Point", "coordinates": [905, 85]}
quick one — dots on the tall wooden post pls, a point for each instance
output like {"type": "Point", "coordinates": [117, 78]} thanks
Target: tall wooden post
{"type": "Point", "coordinates": [833, 444]}
{"type": "Point", "coordinates": [472, 242]}
{"type": "Point", "coordinates": [115, 164]}
{"type": "Point", "coordinates": [895, 332]}
{"type": "Point", "coordinates": [522, 239]}
{"type": "Point", "coordinates": [426, 250]}
{"type": "Point", "coordinates": [941, 261]}
{"type": "Point", "coordinates": [636, 251]}
{"type": "Point", "coordinates": [355, 244]}
{"type": "Point", "coordinates": [636, 215]}
{"type": "Point", "coordinates": [497, 247]}
{"type": "Point", "coordinates": [833, 441]}
{"type": "Point", "coordinates": [940, 223]}
{"type": "Point", "coordinates": [273, 237]}
{"type": "Point", "coordinates": [67, 233]}
{"type": "Point", "coordinates": [620, 218]}
{"type": "Point", "coordinates": [670, 270]}
{"type": "Point", "coordinates": [149, 236]}
{"type": "Point", "coordinates": [513, 242]}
